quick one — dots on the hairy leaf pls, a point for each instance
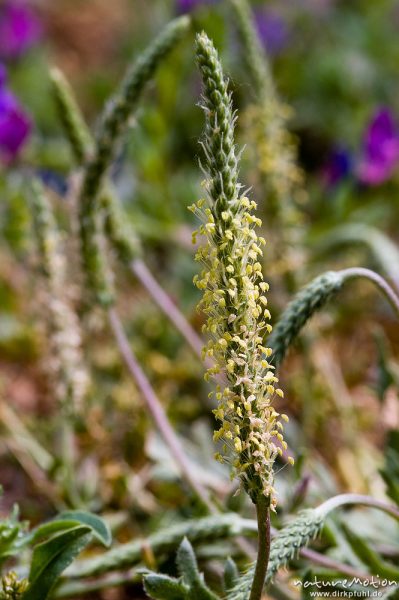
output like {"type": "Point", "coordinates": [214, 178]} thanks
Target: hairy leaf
{"type": "Point", "coordinates": [231, 574]}
{"type": "Point", "coordinates": [188, 568]}
{"type": "Point", "coordinates": [162, 587]}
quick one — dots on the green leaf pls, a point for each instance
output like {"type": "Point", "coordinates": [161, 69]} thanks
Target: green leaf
{"type": "Point", "coordinates": [46, 530]}
{"type": "Point", "coordinates": [307, 591]}
{"type": "Point", "coordinates": [162, 587]}
{"type": "Point", "coordinates": [369, 557]}
{"type": "Point", "coordinates": [52, 557]}
{"type": "Point", "coordinates": [187, 563]}
{"type": "Point", "coordinates": [74, 529]}
{"type": "Point", "coordinates": [390, 472]}
{"type": "Point", "coordinates": [73, 518]}
{"type": "Point", "coordinates": [231, 574]}
{"type": "Point", "coordinates": [99, 527]}
{"type": "Point", "coordinates": [12, 535]}
{"type": "Point", "coordinates": [188, 568]}
{"type": "Point", "coordinates": [384, 374]}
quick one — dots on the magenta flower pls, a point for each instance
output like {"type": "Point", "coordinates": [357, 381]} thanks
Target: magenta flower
{"type": "Point", "coordinates": [15, 125]}
{"type": "Point", "coordinates": [20, 29]}
{"type": "Point", "coordinates": [272, 29]}
{"type": "Point", "coordinates": [380, 149]}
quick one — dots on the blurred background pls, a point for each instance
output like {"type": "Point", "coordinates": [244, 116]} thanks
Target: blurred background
{"type": "Point", "coordinates": [335, 64]}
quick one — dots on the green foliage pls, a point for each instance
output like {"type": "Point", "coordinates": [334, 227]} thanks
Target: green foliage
{"type": "Point", "coordinates": [191, 584]}
{"type": "Point", "coordinates": [385, 377]}
{"type": "Point", "coordinates": [115, 118]}
{"type": "Point", "coordinates": [381, 247]}
{"type": "Point", "coordinates": [188, 568]}
{"type": "Point", "coordinates": [161, 174]}
{"type": "Point", "coordinates": [72, 518]}
{"type": "Point", "coordinates": [52, 557]}
{"type": "Point", "coordinates": [204, 529]}
{"type": "Point", "coordinates": [162, 587]}
{"type": "Point", "coordinates": [374, 563]}
{"type": "Point", "coordinates": [78, 134]}
{"type": "Point", "coordinates": [297, 534]}
{"type": "Point", "coordinates": [390, 472]}
{"type": "Point", "coordinates": [12, 534]}
{"type": "Point", "coordinates": [308, 301]}
{"type": "Point", "coordinates": [231, 574]}
{"type": "Point", "coordinates": [285, 546]}
{"type": "Point", "coordinates": [121, 236]}
{"type": "Point", "coordinates": [68, 535]}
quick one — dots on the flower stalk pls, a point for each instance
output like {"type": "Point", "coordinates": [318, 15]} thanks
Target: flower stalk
{"type": "Point", "coordinates": [120, 235]}
{"type": "Point", "coordinates": [234, 299]}
{"type": "Point", "coordinates": [235, 304]}
{"type": "Point", "coordinates": [264, 542]}
{"type": "Point", "coordinates": [70, 380]}
{"type": "Point", "coordinates": [114, 121]}
{"type": "Point", "coordinates": [312, 298]}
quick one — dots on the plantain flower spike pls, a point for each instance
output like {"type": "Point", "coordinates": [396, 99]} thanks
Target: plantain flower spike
{"type": "Point", "coordinates": [234, 297]}
{"type": "Point", "coordinates": [66, 360]}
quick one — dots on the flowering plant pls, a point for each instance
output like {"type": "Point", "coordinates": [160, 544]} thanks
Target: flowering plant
{"type": "Point", "coordinates": [87, 248]}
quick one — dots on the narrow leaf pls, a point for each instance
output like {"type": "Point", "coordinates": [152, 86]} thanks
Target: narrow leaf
{"type": "Point", "coordinates": [369, 557]}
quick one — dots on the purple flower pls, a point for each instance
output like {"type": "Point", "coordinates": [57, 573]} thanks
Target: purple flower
{"type": "Point", "coordinates": [338, 167]}
{"type": "Point", "coordinates": [272, 29]}
{"type": "Point", "coordinates": [15, 125]}
{"type": "Point", "coordinates": [20, 29]}
{"type": "Point", "coordinates": [380, 149]}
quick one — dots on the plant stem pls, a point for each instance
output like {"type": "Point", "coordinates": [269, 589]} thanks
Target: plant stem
{"type": "Point", "coordinates": [156, 410]}
{"type": "Point", "coordinates": [166, 304]}
{"type": "Point", "coordinates": [263, 517]}
{"type": "Point", "coordinates": [330, 563]}
{"type": "Point", "coordinates": [348, 499]}
{"type": "Point", "coordinates": [379, 281]}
